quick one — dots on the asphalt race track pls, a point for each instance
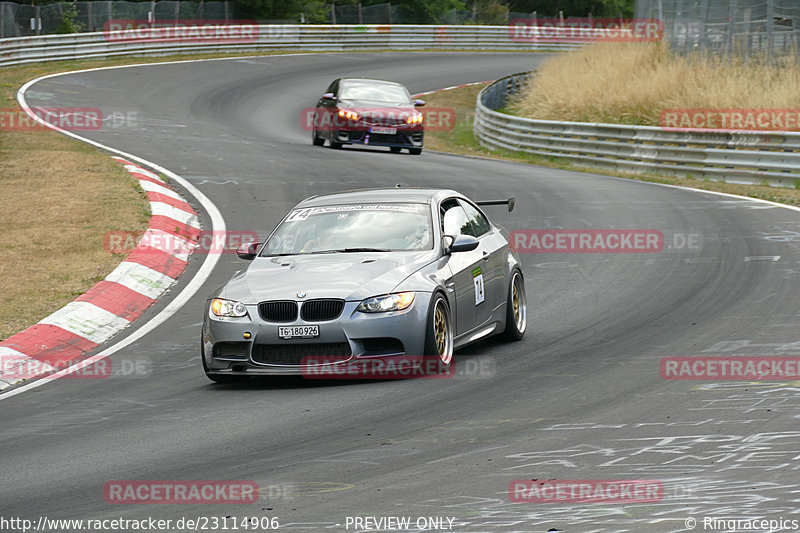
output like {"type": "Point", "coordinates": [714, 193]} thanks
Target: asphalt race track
{"type": "Point", "coordinates": [580, 398]}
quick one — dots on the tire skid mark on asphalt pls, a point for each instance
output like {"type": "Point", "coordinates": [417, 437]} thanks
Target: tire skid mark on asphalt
{"type": "Point", "coordinates": [65, 336]}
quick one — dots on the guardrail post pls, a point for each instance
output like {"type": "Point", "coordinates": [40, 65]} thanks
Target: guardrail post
{"type": "Point", "coordinates": [703, 22]}
{"type": "Point", "coordinates": [360, 17]}
{"type": "Point", "coordinates": [770, 28]}
{"type": "Point", "coordinates": [2, 19]}
{"type": "Point", "coordinates": [37, 17]}
{"type": "Point", "coordinates": [731, 26]}
{"type": "Point", "coordinates": [110, 6]}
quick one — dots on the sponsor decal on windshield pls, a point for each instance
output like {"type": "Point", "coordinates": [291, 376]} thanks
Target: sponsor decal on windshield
{"type": "Point", "coordinates": [302, 214]}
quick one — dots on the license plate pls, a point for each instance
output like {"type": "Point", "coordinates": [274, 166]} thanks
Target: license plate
{"type": "Point", "coordinates": [378, 129]}
{"type": "Point", "coordinates": [298, 332]}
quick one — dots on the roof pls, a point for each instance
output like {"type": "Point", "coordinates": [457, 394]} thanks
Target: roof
{"type": "Point", "coordinates": [371, 80]}
{"type": "Point", "coordinates": [410, 194]}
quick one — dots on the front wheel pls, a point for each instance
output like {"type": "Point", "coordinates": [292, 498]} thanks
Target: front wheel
{"type": "Point", "coordinates": [316, 139]}
{"type": "Point", "coordinates": [439, 331]}
{"type": "Point", "coordinates": [516, 308]}
{"type": "Point", "coordinates": [415, 151]}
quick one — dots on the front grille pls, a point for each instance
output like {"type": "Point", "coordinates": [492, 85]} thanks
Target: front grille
{"type": "Point", "coordinates": [280, 311]}
{"type": "Point", "coordinates": [317, 310]}
{"type": "Point", "coordinates": [384, 121]}
{"type": "Point", "coordinates": [385, 138]}
{"type": "Point", "coordinates": [293, 354]}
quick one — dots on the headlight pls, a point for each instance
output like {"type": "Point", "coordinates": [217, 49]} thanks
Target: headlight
{"type": "Point", "coordinates": [222, 307]}
{"type": "Point", "coordinates": [390, 302]}
{"type": "Point", "coordinates": [414, 119]}
{"type": "Point", "coordinates": [351, 115]}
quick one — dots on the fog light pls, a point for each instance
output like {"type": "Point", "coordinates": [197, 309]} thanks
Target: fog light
{"type": "Point", "coordinates": [246, 335]}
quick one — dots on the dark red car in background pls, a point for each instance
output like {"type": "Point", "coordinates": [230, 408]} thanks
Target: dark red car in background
{"type": "Point", "coordinates": [368, 112]}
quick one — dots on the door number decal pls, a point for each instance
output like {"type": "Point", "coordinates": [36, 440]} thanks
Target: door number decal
{"type": "Point", "coordinates": [477, 279]}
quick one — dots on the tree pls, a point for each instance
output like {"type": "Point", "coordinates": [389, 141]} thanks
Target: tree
{"type": "Point", "coordinates": [69, 19]}
{"type": "Point", "coordinates": [575, 8]}
{"type": "Point", "coordinates": [427, 11]}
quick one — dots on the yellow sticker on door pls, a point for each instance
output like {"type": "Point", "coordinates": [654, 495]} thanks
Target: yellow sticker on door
{"type": "Point", "coordinates": [477, 279]}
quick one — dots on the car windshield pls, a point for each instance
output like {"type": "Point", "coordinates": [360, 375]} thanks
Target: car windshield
{"type": "Point", "coordinates": [375, 92]}
{"type": "Point", "coordinates": [353, 228]}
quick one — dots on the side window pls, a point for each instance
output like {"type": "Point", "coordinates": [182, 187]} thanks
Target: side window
{"type": "Point", "coordinates": [476, 219]}
{"type": "Point", "coordinates": [333, 87]}
{"type": "Point", "coordinates": [454, 219]}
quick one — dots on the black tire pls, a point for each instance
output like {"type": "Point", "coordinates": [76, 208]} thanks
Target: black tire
{"type": "Point", "coordinates": [395, 149]}
{"type": "Point", "coordinates": [516, 308]}
{"type": "Point", "coordinates": [439, 330]}
{"type": "Point", "coordinates": [415, 151]}
{"type": "Point", "coordinates": [218, 378]}
{"type": "Point", "coordinates": [316, 139]}
{"type": "Point", "coordinates": [335, 145]}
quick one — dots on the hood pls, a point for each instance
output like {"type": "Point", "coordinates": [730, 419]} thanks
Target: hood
{"type": "Point", "coordinates": [349, 276]}
{"type": "Point", "coordinates": [379, 111]}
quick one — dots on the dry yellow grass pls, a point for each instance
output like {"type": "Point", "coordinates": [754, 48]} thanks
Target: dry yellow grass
{"type": "Point", "coordinates": [59, 199]}
{"type": "Point", "coordinates": [632, 83]}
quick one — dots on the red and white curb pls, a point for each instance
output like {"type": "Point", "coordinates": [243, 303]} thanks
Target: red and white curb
{"type": "Point", "coordinates": [64, 337]}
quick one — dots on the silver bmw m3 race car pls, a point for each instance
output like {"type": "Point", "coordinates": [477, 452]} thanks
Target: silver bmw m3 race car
{"type": "Point", "coordinates": [364, 275]}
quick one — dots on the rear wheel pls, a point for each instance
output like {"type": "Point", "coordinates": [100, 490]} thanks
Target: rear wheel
{"type": "Point", "coordinates": [516, 308]}
{"type": "Point", "coordinates": [415, 151]}
{"type": "Point", "coordinates": [439, 332]}
{"type": "Point", "coordinates": [395, 149]}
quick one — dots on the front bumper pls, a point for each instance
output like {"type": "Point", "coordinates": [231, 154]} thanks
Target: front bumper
{"type": "Point", "coordinates": [401, 139]}
{"type": "Point", "coordinates": [350, 337]}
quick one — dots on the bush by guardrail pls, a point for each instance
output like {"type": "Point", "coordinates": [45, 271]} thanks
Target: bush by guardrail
{"type": "Point", "coordinates": [20, 20]}
{"type": "Point", "coordinates": [741, 157]}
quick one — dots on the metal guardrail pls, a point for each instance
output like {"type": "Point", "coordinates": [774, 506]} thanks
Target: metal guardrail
{"type": "Point", "coordinates": [735, 157]}
{"type": "Point", "coordinates": [23, 50]}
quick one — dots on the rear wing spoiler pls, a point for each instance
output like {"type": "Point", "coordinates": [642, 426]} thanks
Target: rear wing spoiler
{"type": "Point", "coordinates": [510, 202]}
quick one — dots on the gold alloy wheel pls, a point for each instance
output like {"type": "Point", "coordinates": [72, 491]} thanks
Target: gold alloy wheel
{"type": "Point", "coordinates": [518, 302]}
{"type": "Point", "coordinates": [442, 332]}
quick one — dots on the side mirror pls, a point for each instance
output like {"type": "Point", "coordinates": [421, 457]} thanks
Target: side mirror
{"type": "Point", "coordinates": [248, 251]}
{"type": "Point", "coordinates": [511, 202]}
{"type": "Point", "coordinates": [328, 96]}
{"type": "Point", "coordinates": [463, 243]}
{"type": "Point", "coordinates": [419, 103]}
